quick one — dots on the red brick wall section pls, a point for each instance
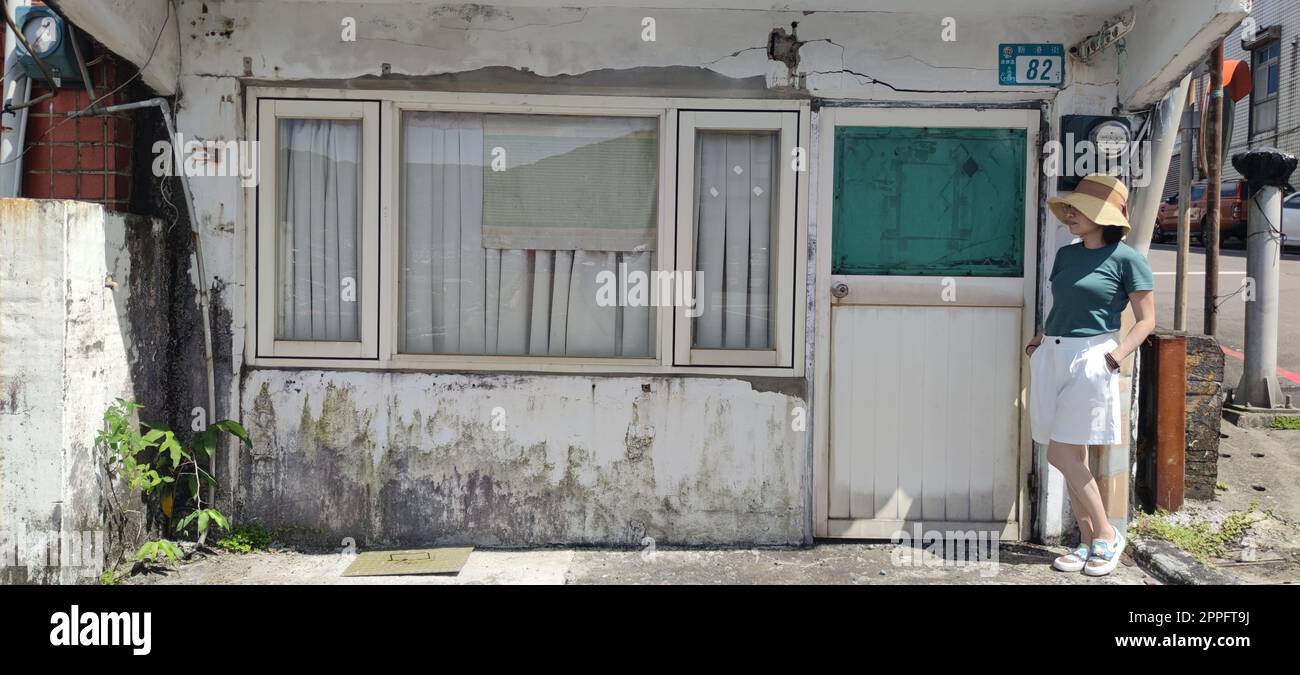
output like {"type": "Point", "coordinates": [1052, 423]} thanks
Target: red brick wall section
{"type": "Point", "coordinates": [85, 158]}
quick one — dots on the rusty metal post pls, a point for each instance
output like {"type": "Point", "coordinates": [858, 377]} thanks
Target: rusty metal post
{"type": "Point", "coordinates": [1171, 420]}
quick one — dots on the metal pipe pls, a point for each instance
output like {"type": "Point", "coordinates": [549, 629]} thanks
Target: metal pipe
{"type": "Point", "coordinates": [204, 300]}
{"type": "Point", "coordinates": [1144, 201]}
{"type": "Point", "coordinates": [85, 72]}
{"type": "Point", "coordinates": [1185, 164]}
{"type": "Point", "coordinates": [16, 86]}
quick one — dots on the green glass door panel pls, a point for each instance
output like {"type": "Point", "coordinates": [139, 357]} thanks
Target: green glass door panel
{"type": "Point", "coordinates": [929, 201]}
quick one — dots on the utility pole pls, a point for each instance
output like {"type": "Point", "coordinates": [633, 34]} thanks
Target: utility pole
{"type": "Point", "coordinates": [1185, 164]}
{"type": "Point", "coordinates": [1265, 170]}
{"type": "Point", "coordinates": [1212, 137]}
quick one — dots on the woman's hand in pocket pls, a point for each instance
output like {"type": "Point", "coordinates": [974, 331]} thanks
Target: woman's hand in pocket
{"type": "Point", "coordinates": [1033, 345]}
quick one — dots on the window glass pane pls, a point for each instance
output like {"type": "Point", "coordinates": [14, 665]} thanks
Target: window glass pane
{"type": "Point", "coordinates": [736, 220]}
{"type": "Point", "coordinates": [319, 205]}
{"type": "Point", "coordinates": [929, 201]}
{"type": "Point", "coordinates": [1265, 113]}
{"type": "Point", "coordinates": [528, 234]}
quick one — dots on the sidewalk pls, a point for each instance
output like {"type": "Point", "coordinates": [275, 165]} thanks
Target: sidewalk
{"type": "Point", "coordinates": [827, 563]}
{"type": "Point", "coordinates": [1260, 467]}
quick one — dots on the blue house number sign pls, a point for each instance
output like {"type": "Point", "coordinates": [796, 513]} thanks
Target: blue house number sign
{"type": "Point", "coordinates": [1033, 65]}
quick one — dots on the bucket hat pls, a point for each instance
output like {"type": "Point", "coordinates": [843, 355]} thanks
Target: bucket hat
{"type": "Point", "coordinates": [1103, 199]}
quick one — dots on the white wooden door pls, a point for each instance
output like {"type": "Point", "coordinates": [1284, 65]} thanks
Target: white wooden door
{"type": "Point", "coordinates": [926, 276]}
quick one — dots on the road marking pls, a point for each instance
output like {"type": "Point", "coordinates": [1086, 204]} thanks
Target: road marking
{"type": "Point", "coordinates": [1294, 377]}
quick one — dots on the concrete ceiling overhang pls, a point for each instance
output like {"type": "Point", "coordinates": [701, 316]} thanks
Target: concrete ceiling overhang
{"type": "Point", "coordinates": [1168, 39]}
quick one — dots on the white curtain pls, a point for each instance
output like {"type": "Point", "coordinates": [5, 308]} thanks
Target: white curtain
{"type": "Point", "coordinates": [458, 297]}
{"type": "Point", "coordinates": [734, 192]}
{"type": "Point", "coordinates": [319, 188]}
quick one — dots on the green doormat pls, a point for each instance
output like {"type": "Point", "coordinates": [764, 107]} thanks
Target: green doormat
{"type": "Point", "coordinates": [417, 561]}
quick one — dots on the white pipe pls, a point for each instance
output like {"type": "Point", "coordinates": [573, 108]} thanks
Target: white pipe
{"type": "Point", "coordinates": [204, 302]}
{"type": "Point", "coordinates": [17, 89]}
{"type": "Point", "coordinates": [1144, 202]}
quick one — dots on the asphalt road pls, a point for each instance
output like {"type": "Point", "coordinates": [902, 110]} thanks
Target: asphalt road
{"type": "Point", "coordinates": [1232, 310]}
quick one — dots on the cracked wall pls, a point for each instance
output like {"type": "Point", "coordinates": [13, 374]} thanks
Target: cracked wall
{"type": "Point", "coordinates": [510, 460]}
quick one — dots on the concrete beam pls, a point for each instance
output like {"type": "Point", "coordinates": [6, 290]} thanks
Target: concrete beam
{"type": "Point", "coordinates": [1168, 39]}
{"type": "Point", "coordinates": [130, 29]}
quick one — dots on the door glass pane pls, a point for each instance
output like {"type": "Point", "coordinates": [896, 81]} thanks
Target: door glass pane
{"type": "Point", "coordinates": [929, 201]}
{"type": "Point", "coordinates": [735, 188]}
{"type": "Point", "coordinates": [318, 238]}
{"type": "Point", "coordinates": [528, 234]}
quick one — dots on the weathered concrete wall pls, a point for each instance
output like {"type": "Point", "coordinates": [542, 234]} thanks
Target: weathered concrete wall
{"type": "Point", "coordinates": [413, 458]}
{"type": "Point", "coordinates": [77, 285]}
{"type": "Point", "coordinates": [1205, 395]}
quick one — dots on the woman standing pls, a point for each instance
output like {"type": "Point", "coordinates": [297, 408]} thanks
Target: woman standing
{"type": "Point", "coordinates": [1074, 398]}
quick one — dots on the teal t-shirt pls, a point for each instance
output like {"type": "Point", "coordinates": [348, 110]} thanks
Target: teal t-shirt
{"type": "Point", "coordinates": [1090, 288]}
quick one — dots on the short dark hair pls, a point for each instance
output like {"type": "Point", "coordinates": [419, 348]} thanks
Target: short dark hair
{"type": "Point", "coordinates": [1112, 234]}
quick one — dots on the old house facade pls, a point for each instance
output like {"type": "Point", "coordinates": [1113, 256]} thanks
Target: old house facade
{"type": "Point", "coordinates": [431, 285]}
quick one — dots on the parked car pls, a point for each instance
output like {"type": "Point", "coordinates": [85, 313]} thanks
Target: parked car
{"type": "Point", "coordinates": [1291, 220]}
{"type": "Point", "coordinates": [1232, 213]}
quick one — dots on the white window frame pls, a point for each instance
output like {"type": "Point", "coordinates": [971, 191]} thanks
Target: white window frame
{"type": "Point", "coordinates": [690, 122]}
{"type": "Point", "coordinates": [386, 185]}
{"type": "Point", "coordinates": [270, 113]}
{"type": "Point", "coordinates": [1257, 98]}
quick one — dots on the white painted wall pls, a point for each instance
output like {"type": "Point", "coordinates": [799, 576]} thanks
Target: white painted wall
{"type": "Point", "coordinates": [65, 354]}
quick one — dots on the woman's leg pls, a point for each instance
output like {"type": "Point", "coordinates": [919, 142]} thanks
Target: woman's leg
{"type": "Point", "coordinates": [1085, 496]}
{"type": "Point", "coordinates": [1085, 524]}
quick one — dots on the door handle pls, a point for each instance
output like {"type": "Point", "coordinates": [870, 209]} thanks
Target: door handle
{"type": "Point", "coordinates": [840, 290]}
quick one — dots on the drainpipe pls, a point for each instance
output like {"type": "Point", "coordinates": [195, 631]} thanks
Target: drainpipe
{"type": "Point", "coordinates": [15, 90]}
{"type": "Point", "coordinates": [1144, 203]}
{"type": "Point", "coordinates": [204, 301]}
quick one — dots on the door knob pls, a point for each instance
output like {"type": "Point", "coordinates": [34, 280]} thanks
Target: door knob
{"type": "Point", "coordinates": [840, 290]}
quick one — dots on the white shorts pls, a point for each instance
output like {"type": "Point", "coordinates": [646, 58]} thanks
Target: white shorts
{"type": "Point", "coordinates": [1073, 394]}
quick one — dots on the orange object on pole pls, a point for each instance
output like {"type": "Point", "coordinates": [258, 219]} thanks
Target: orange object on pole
{"type": "Point", "coordinates": [1171, 420]}
{"type": "Point", "coordinates": [1236, 79]}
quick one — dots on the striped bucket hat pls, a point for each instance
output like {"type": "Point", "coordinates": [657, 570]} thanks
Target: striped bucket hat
{"type": "Point", "coordinates": [1103, 199]}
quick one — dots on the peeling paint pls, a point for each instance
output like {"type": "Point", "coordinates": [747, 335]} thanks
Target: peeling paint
{"type": "Point", "coordinates": [419, 460]}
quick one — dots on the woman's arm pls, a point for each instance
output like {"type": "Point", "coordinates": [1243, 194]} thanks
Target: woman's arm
{"type": "Point", "coordinates": [1144, 310]}
{"type": "Point", "coordinates": [1038, 339]}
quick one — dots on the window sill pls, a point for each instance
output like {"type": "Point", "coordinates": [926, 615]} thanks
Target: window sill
{"type": "Point", "coordinates": [502, 365]}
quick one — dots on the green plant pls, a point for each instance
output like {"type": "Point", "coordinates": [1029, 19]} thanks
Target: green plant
{"type": "Point", "coordinates": [1197, 538]}
{"type": "Point", "coordinates": [1286, 422]}
{"type": "Point", "coordinates": [1221, 486]}
{"type": "Point", "coordinates": [157, 458]}
{"type": "Point", "coordinates": [246, 538]}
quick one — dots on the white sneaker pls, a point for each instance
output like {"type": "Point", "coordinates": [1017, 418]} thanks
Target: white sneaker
{"type": "Point", "coordinates": [1072, 561]}
{"type": "Point", "coordinates": [1105, 556]}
